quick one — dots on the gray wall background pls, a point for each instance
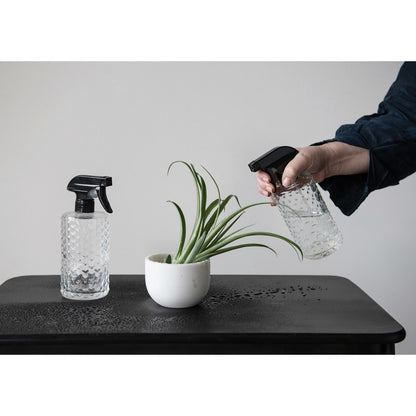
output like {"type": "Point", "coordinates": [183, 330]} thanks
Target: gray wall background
{"type": "Point", "coordinates": [130, 120]}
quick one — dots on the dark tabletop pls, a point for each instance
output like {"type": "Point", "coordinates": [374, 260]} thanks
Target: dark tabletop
{"type": "Point", "coordinates": [241, 313]}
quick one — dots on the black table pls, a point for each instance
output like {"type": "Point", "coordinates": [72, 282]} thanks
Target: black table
{"type": "Point", "coordinates": [245, 314]}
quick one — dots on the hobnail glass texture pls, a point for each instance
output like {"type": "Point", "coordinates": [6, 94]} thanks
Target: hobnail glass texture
{"type": "Point", "coordinates": [308, 219]}
{"type": "Point", "coordinates": [85, 243]}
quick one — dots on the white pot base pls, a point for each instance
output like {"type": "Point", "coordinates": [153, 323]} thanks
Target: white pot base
{"type": "Point", "coordinates": [176, 285]}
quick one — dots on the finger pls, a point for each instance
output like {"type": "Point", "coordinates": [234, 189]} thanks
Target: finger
{"type": "Point", "coordinates": [294, 168]}
{"type": "Point", "coordinates": [264, 183]}
{"type": "Point", "coordinates": [319, 176]}
{"type": "Point", "coordinates": [266, 189]}
{"type": "Point", "coordinates": [263, 190]}
{"type": "Point", "coordinates": [262, 176]}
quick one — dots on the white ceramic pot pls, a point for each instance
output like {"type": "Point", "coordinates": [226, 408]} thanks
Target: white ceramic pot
{"type": "Point", "coordinates": [176, 285]}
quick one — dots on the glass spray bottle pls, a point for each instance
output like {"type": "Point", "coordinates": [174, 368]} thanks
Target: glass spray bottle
{"type": "Point", "coordinates": [301, 205]}
{"type": "Point", "coordinates": [85, 240]}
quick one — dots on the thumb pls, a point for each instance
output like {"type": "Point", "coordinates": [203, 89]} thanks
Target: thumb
{"type": "Point", "coordinates": [294, 168]}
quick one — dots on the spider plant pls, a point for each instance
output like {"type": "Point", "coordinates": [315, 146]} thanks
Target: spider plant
{"type": "Point", "coordinates": [211, 234]}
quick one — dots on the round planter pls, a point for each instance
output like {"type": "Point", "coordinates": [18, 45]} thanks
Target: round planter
{"type": "Point", "coordinates": [176, 285]}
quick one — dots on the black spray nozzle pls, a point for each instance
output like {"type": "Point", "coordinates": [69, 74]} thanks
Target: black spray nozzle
{"type": "Point", "coordinates": [87, 188]}
{"type": "Point", "coordinates": [274, 162]}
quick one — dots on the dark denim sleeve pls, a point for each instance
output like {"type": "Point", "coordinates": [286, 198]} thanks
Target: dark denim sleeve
{"type": "Point", "coordinates": [390, 136]}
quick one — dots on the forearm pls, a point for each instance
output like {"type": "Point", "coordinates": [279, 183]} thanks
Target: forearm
{"type": "Point", "coordinates": [389, 136]}
{"type": "Point", "coordinates": [345, 159]}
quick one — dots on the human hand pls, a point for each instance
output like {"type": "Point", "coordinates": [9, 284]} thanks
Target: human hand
{"type": "Point", "coordinates": [309, 159]}
{"type": "Point", "coordinates": [329, 159]}
{"type": "Point", "coordinates": [264, 184]}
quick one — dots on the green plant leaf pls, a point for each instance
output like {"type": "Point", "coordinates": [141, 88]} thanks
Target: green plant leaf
{"type": "Point", "coordinates": [223, 231]}
{"type": "Point", "coordinates": [214, 181]}
{"type": "Point", "coordinates": [211, 236]}
{"type": "Point", "coordinates": [198, 216]}
{"type": "Point", "coordinates": [230, 240]}
{"type": "Point", "coordinates": [213, 219]}
{"type": "Point", "coordinates": [195, 250]}
{"type": "Point", "coordinates": [183, 229]}
{"type": "Point", "coordinates": [203, 206]}
{"type": "Point", "coordinates": [226, 220]}
{"type": "Point", "coordinates": [202, 256]}
{"type": "Point", "coordinates": [213, 205]}
{"type": "Point", "coordinates": [218, 192]}
{"type": "Point", "coordinates": [224, 234]}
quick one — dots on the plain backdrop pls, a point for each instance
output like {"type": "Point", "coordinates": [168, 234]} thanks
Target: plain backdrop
{"type": "Point", "coordinates": [130, 120]}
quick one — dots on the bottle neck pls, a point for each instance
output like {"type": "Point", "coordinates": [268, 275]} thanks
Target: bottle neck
{"type": "Point", "coordinates": [84, 205]}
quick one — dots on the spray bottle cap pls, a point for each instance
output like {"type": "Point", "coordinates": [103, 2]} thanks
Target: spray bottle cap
{"type": "Point", "coordinates": [274, 162]}
{"type": "Point", "coordinates": [87, 188]}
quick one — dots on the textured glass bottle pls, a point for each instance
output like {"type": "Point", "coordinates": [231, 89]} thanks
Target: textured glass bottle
{"type": "Point", "coordinates": [301, 205]}
{"type": "Point", "coordinates": [307, 217]}
{"type": "Point", "coordinates": [85, 241]}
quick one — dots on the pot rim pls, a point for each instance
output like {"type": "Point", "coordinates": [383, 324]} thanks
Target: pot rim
{"type": "Point", "coordinates": [150, 259]}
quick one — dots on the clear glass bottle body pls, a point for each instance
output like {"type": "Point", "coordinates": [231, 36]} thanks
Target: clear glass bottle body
{"type": "Point", "coordinates": [307, 217]}
{"type": "Point", "coordinates": [85, 243]}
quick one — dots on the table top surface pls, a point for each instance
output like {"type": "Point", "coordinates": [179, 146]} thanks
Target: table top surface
{"type": "Point", "coordinates": [300, 307]}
